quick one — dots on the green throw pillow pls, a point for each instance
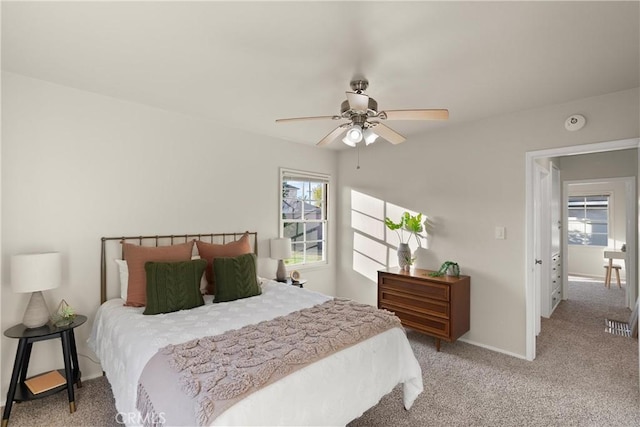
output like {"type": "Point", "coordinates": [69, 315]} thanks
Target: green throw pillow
{"type": "Point", "coordinates": [235, 278]}
{"type": "Point", "coordinates": [173, 286]}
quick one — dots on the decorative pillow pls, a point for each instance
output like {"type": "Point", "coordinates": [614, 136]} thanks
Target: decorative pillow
{"type": "Point", "coordinates": [123, 272]}
{"type": "Point", "coordinates": [211, 251]}
{"type": "Point", "coordinates": [173, 286]}
{"type": "Point", "coordinates": [236, 278]}
{"type": "Point", "coordinates": [136, 256]}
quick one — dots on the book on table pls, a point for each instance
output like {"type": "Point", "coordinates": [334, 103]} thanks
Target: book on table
{"type": "Point", "coordinates": [45, 382]}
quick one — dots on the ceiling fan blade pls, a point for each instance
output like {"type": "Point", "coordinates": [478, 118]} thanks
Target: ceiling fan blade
{"type": "Point", "coordinates": [333, 135]}
{"type": "Point", "coordinates": [389, 134]}
{"type": "Point", "coordinates": [294, 119]}
{"type": "Point", "coordinates": [437, 114]}
{"type": "Point", "coordinates": [358, 101]}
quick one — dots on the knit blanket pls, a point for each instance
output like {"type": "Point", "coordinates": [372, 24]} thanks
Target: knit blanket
{"type": "Point", "coordinates": [213, 373]}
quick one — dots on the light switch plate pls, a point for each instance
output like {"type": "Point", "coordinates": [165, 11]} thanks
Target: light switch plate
{"type": "Point", "coordinates": [501, 233]}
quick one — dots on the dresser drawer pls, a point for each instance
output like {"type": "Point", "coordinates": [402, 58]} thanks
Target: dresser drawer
{"type": "Point", "coordinates": [416, 287]}
{"type": "Point", "coordinates": [416, 303]}
{"type": "Point", "coordinates": [438, 306]}
{"type": "Point", "coordinates": [434, 326]}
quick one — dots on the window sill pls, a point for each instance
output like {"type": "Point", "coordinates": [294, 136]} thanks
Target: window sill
{"type": "Point", "coordinates": [308, 267]}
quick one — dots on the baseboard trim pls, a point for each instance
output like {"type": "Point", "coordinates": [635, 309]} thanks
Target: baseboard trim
{"type": "Point", "coordinates": [497, 350]}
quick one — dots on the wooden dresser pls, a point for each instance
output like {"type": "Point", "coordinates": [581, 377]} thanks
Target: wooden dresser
{"type": "Point", "coordinates": [436, 306]}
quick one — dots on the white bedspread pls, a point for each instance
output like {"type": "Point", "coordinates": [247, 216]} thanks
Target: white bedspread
{"type": "Point", "coordinates": [332, 391]}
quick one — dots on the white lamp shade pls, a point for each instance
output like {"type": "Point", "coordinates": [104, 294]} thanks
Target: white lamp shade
{"type": "Point", "coordinates": [353, 136]}
{"type": "Point", "coordinates": [348, 142]}
{"type": "Point", "coordinates": [36, 272]}
{"type": "Point", "coordinates": [369, 136]}
{"type": "Point", "coordinates": [281, 248]}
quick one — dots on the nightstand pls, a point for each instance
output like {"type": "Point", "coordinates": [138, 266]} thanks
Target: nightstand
{"type": "Point", "coordinates": [18, 391]}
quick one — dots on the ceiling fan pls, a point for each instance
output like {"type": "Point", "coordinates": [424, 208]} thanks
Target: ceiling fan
{"type": "Point", "coordinates": [364, 119]}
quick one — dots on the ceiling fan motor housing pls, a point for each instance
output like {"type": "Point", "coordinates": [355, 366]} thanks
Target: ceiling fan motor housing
{"type": "Point", "coordinates": [347, 112]}
{"type": "Point", "coordinates": [359, 85]}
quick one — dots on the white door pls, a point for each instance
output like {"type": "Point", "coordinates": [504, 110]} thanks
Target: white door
{"type": "Point", "coordinates": [541, 250]}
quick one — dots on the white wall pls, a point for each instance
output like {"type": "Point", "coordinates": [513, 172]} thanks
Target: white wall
{"type": "Point", "coordinates": [470, 178]}
{"type": "Point", "coordinates": [78, 166]}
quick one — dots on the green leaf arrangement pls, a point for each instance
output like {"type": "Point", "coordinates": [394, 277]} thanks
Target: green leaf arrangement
{"type": "Point", "coordinates": [444, 267]}
{"type": "Point", "coordinates": [410, 223]}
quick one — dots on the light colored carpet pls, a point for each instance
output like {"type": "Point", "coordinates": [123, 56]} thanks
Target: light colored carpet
{"type": "Point", "coordinates": [582, 376]}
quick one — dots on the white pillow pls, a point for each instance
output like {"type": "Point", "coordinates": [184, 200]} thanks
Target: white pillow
{"type": "Point", "coordinates": [203, 281]}
{"type": "Point", "coordinates": [123, 270]}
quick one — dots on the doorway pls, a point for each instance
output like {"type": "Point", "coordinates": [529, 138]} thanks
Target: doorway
{"type": "Point", "coordinates": [607, 226]}
{"type": "Point", "coordinates": [532, 242]}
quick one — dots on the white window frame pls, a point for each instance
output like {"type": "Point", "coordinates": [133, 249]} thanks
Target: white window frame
{"type": "Point", "coordinates": [610, 216]}
{"type": "Point", "coordinates": [287, 174]}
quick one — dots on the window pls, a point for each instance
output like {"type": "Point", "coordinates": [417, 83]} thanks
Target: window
{"type": "Point", "coordinates": [588, 220]}
{"type": "Point", "coordinates": [303, 215]}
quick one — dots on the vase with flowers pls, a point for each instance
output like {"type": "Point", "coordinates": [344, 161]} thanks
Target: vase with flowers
{"type": "Point", "coordinates": [410, 225]}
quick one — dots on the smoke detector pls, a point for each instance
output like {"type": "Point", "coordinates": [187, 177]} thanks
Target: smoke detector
{"type": "Point", "coordinates": [575, 122]}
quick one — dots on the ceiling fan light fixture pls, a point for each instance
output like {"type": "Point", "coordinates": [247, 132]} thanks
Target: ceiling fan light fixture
{"type": "Point", "coordinates": [354, 135]}
{"type": "Point", "coordinates": [369, 136]}
{"type": "Point", "coordinates": [348, 142]}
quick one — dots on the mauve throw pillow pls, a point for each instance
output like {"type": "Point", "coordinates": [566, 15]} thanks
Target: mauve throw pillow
{"type": "Point", "coordinates": [236, 278]}
{"type": "Point", "coordinates": [136, 256]}
{"type": "Point", "coordinates": [173, 286]}
{"type": "Point", "coordinates": [211, 251]}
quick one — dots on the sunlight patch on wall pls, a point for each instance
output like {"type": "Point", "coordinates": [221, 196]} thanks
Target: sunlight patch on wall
{"type": "Point", "coordinates": [373, 227]}
{"type": "Point", "coordinates": [370, 248]}
{"type": "Point", "coordinates": [367, 266]}
{"type": "Point", "coordinates": [367, 215]}
{"type": "Point", "coordinates": [374, 246]}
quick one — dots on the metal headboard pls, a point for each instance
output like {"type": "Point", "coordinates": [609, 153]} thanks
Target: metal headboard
{"type": "Point", "coordinates": [164, 240]}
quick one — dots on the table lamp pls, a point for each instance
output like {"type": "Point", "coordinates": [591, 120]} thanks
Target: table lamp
{"type": "Point", "coordinates": [281, 250]}
{"type": "Point", "coordinates": [36, 273]}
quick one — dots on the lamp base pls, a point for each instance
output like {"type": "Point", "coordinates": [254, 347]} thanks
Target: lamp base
{"type": "Point", "coordinates": [281, 273]}
{"type": "Point", "coordinates": [37, 313]}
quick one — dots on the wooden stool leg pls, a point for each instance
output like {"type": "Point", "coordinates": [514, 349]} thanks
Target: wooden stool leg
{"type": "Point", "coordinates": [618, 277]}
{"type": "Point", "coordinates": [607, 276]}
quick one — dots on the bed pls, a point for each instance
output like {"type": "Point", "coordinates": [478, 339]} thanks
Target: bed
{"type": "Point", "coordinates": [330, 391]}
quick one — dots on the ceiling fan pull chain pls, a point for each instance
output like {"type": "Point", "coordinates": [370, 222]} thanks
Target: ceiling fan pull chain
{"type": "Point", "coordinates": [358, 151]}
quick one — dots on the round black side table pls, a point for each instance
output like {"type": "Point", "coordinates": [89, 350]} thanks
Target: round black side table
{"type": "Point", "coordinates": [18, 391]}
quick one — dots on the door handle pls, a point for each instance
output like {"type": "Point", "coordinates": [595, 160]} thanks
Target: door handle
{"type": "Point", "coordinates": [538, 261]}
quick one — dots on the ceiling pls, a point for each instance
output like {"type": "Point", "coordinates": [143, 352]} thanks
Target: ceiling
{"type": "Point", "coordinates": [245, 64]}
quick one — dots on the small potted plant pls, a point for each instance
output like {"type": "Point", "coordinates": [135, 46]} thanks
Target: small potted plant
{"type": "Point", "coordinates": [449, 268]}
{"type": "Point", "coordinates": [64, 315]}
{"type": "Point", "coordinates": [411, 224]}
{"type": "Point", "coordinates": [408, 261]}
